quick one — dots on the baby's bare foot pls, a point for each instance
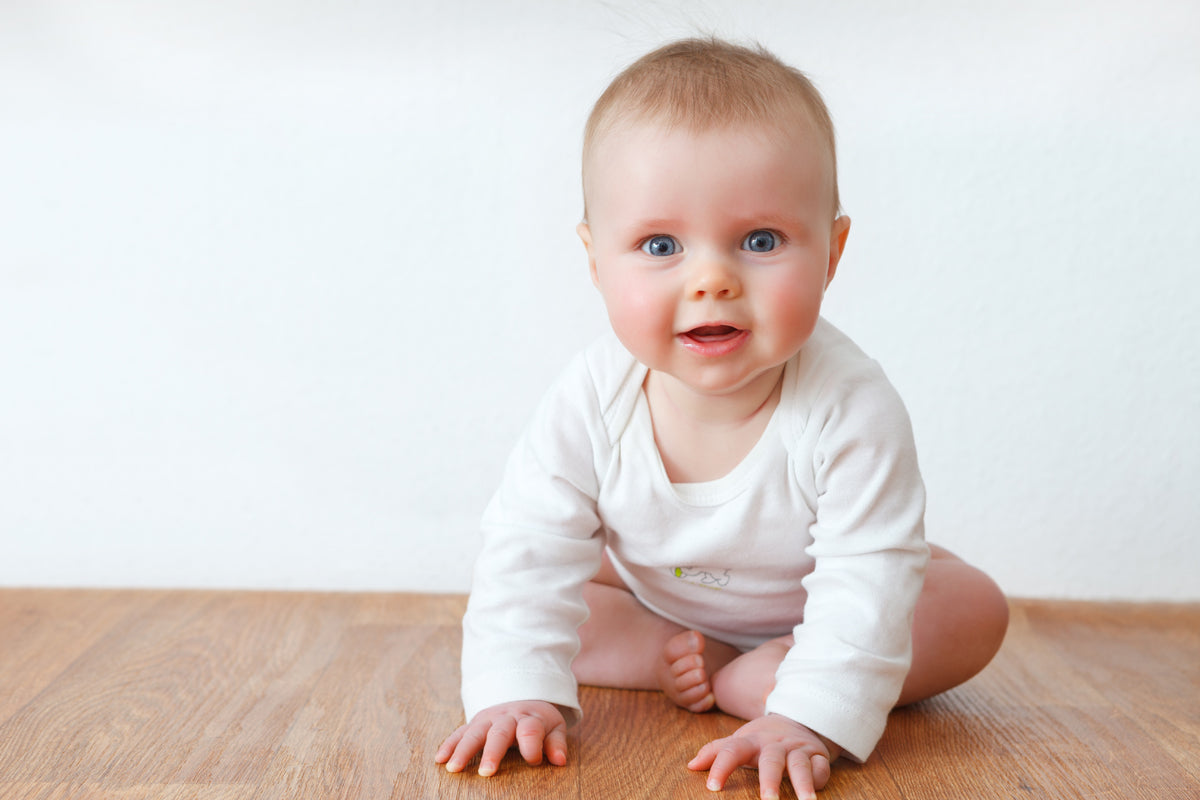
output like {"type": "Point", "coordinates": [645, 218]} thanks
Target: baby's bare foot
{"type": "Point", "coordinates": [682, 673]}
{"type": "Point", "coordinates": [687, 663]}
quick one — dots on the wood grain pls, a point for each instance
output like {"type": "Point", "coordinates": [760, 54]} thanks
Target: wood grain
{"type": "Point", "coordinates": [177, 695]}
{"type": "Point", "coordinates": [43, 632]}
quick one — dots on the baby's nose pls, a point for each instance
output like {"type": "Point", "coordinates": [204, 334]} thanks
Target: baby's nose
{"type": "Point", "coordinates": [715, 278]}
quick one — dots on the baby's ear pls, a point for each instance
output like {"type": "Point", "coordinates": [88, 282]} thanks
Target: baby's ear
{"type": "Point", "coordinates": [585, 235]}
{"type": "Point", "coordinates": [837, 245]}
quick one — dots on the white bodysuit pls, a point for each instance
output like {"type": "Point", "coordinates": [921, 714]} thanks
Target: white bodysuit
{"type": "Point", "coordinates": [818, 532]}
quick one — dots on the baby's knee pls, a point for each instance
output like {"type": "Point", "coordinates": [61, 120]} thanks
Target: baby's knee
{"type": "Point", "coordinates": [992, 607]}
{"type": "Point", "coordinates": [966, 593]}
{"type": "Point", "coordinates": [986, 599]}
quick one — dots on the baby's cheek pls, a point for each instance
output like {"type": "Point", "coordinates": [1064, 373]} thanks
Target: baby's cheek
{"type": "Point", "coordinates": [795, 315]}
{"type": "Point", "coordinates": [639, 321]}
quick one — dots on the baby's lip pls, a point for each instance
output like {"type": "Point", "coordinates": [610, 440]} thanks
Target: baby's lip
{"type": "Point", "coordinates": [714, 339]}
{"type": "Point", "coordinates": [713, 332]}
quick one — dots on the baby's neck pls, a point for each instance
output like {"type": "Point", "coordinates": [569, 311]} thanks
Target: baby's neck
{"type": "Point", "coordinates": [703, 437]}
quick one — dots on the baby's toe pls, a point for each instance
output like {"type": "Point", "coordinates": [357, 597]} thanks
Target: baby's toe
{"type": "Point", "coordinates": [690, 681]}
{"type": "Point", "coordinates": [684, 677]}
{"type": "Point", "coordinates": [696, 699]}
{"type": "Point", "coordinates": [688, 670]}
{"type": "Point", "coordinates": [682, 645]}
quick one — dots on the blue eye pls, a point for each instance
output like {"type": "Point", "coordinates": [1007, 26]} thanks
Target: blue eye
{"type": "Point", "coordinates": [760, 242]}
{"type": "Point", "coordinates": [660, 246]}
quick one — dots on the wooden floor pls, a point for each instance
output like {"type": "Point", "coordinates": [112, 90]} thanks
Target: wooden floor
{"type": "Point", "coordinates": [206, 695]}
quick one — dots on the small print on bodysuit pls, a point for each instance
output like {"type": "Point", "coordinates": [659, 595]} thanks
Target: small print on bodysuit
{"type": "Point", "coordinates": [707, 578]}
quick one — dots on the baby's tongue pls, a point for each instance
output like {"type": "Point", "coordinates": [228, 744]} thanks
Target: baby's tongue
{"type": "Point", "coordinates": [713, 332]}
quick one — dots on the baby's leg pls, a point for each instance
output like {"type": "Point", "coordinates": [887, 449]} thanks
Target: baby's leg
{"type": "Point", "coordinates": [742, 686]}
{"type": "Point", "coordinates": [627, 646]}
{"type": "Point", "coordinates": [958, 625]}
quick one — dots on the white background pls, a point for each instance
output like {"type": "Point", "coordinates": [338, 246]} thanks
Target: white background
{"type": "Point", "coordinates": [280, 282]}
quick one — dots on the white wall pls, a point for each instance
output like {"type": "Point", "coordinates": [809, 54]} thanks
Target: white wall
{"type": "Point", "coordinates": [280, 282]}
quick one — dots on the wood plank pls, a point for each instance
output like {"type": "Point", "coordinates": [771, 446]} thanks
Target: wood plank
{"type": "Point", "coordinates": [218, 695]}
{"type": "Point", "coordinates": [1144, 659]}
{"type": "Point", "coordinates": [373, 721]}
{"type": "Point", "coordinates": [437, 670]}
{"type": "Point", "coordinates": [266, 672]}
{"type": "Point", "coordinates": [194, 688]}
{"type": "Point", "coordinates": [44, 630]}
{"type": "Point", "coordinates": [1062, 739]}
{"type": "Point", "coordinates": [96, 791]}
{"type": "Point", "coordinates": [869, 781]}
{"type": "Point", "coordinates": [350, 739]}
{"type": "Point", "coordinates": [638, 744]}
{"type": "Point", "coordinates": [70, 791]}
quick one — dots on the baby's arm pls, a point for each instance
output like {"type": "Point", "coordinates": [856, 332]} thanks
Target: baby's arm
{"type": "Point", "coordinates": [773, 744]}
{"type": "Point", "coordinates": [541, 544]}
{"type": "Point", "coordinates": [534, 726]}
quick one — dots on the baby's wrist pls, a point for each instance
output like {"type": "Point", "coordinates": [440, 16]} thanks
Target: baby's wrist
{"type": "Point", "coordinates": [835, 750]}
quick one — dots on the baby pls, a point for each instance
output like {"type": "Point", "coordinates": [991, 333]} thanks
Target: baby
{"type": "Point", "coordinates": [721, 501]}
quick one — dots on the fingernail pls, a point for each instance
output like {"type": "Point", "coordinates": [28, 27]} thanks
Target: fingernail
{"type": "Point", "coordinates": [713, 785]}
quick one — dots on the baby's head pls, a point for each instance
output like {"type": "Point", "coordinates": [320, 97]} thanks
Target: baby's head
{"type": "Point", "coordinates": [705, 84]}
{"type": "Point", "coordinates": [711, 214]}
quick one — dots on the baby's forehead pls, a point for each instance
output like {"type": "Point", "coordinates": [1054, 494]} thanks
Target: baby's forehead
{"type": "Point", "coordinates": [787, 116]}
{"type": "Point", "coordinates": [791, 139]}
{"type": "Point", "coordinates": [800, 136]}
{"type": "Point", "coordinates": [786, 126]}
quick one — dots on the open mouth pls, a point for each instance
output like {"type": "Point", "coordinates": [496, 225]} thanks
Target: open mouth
{"type": "Point", "coordinates": [714, 340]}
{"type": "Point", "coordinates": [713, 333]}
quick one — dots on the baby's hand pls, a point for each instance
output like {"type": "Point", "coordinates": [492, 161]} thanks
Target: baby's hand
{"type": "Point", "coordinates": [533, 725]}
{"type": "Point", "coordinates": [772, 743]}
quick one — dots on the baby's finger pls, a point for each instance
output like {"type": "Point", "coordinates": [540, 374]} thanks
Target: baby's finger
{"type": "Point", "coordinates": [704, 757]}
{"type": "Point", "coordinates": [820, 771]}
{"type": "Point", "coordinates": [531, 732]}
{"type": "Point", "coordinates": [499, 739]}
{"type": "Point", "coordinates": [470, 739]}
{"type": "Point", "coordinates": [800, 770]}
{"type": "Point", "coordinates": [556, 746]}
{"type": "Point", "coordinates": [771, 764]}
{"type": "Point", "coordinates": [731, 754]}
{"type": "Point", "coordinates": [447, 747]}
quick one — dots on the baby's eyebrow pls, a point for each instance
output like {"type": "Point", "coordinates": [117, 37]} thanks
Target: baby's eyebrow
{"type": "Point", "coordinates": [771, 220]}
{"type": "Point", "coordinates": [655, 224]}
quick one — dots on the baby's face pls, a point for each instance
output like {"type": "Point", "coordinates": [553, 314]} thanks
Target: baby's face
{"type": "Point", "coordinates": [712, 250]}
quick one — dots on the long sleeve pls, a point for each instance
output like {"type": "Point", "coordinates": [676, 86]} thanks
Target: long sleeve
{"type": "Point", "coordinates": [854, 646]}
{"type": "Point", "coordinates": [540, 546]}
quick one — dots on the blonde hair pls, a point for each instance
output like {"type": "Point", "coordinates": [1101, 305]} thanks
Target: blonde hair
{"type": "Point", "coordinates": [702, 84]}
